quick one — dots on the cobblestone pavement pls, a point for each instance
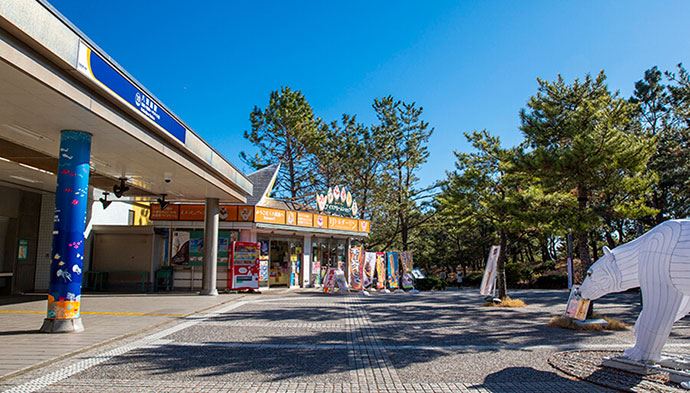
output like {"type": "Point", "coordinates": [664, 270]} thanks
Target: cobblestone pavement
{"type": "Point", "coordinates": [307, 342]}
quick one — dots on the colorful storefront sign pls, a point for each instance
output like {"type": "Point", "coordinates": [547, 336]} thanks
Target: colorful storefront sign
{"type": "Point", "coordinates": [337, 201]}
{"type": "Point", "coordinates": [258, 214]}
{"type": "Point", "coordinates": [345, 224]}
{"type": "Point", "coordinates": [393, 266]}
{"type": "Point", "coordinates": [356, 268]}
{"type": "Point", "coordinates": [305, 219]}
{"type": "Point", "coordinates": [269, 216]}
{"type": "Point", "coordinates": [170, 213]}
{"type": "Point", "coordinates": [244, 267]}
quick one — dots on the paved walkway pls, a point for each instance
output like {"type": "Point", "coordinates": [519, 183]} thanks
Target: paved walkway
{"type": "Point", "coordinates": [302, 341]}
{"type": "Point", "coordinates": [106, 317]}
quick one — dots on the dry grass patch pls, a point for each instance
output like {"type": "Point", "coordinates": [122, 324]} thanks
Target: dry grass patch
{"type": "Point", "coordinates": [564, 322]}
{"type": "Point", "coordinates": [507, 303]}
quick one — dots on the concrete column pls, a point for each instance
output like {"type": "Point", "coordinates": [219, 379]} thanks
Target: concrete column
{"type": "Point", "coordinates": [210, 247]}
{"type": "Point", "coordinates": [306, 262]}
{"type": "Point", "coordinates": [67, 256]}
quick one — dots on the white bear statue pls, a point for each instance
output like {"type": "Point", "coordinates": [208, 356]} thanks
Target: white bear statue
{"type": "Point", "coordinates": [659, 263]}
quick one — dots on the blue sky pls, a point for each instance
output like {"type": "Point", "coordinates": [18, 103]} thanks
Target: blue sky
{"type": "Point", "coordinates": [470, 64]}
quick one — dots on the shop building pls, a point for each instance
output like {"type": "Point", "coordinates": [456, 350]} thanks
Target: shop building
{"type": "Point", "coordinates": [297, 242]}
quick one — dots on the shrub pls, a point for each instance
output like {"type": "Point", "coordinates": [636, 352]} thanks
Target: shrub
{"type": "Point", "coordinates": [430, 283]}
{"type": "Point", "coordinates": [517, 273]}
{"type": "Point", "coordinates": [553, 280]}
{"type": "Point", "coordinates": [473, 279]}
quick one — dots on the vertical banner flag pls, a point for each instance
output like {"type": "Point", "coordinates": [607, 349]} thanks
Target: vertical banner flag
{"type": "Point", "coordinates": [407, 278]}
{"type": "Point", "coordinates": [393, 259]}
{"type": "Point", "coordinates": [329, 280]}
{"type": "Point", "coordinates": [489, 279]}
{"type": "Point", "coordinates": [356, 268]}
{"type": "Point", "coordinates": [244, 266]}
{"type": "Point", "coordinates": [369, 267]}
{"type": "Point", "coordinates": [380, 270]}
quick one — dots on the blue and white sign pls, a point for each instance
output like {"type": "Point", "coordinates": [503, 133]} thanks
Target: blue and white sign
{"type": "Point", "coordinates": [98, 69]}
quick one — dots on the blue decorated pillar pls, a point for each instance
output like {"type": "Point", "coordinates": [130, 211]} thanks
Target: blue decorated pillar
{"type": "Point", "coordinates": [71, 199]}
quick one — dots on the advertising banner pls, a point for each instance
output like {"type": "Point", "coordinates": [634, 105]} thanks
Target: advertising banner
{"type": "Point", "coordinates": [393, 259]}
{"type": "Point", "coordinates": [489, 279]}
{"type": "Point", "coordinates": [356, 268]}
{"type": "Point", "coordinates": [180, 248]}
{"type": "Point", "coordinates": [329, 281]}
{"type": "Point", "coordinates": [380, 270]}
{"type": "Point", "coordinates": [369, 268]}
{"type": "Point", "coordinates": [244, 266]}
{"type": "Point", "coordinates": [406, 261]}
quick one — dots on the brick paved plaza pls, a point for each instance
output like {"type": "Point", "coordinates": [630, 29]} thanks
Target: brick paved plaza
{"type": "Point", "coordinates": [303, 341]}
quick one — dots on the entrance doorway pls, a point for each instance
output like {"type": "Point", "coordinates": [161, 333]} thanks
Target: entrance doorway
{"type": "Point", "coordinates": [284, 262]}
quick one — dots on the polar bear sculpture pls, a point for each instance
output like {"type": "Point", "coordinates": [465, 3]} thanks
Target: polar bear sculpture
{"type": "Point", "coordinates": [659, 263]}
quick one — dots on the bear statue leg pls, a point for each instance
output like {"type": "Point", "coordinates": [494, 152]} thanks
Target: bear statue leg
{"type": "Point", "coordinates": [661, 305]}
{"type": "Point", "coordinates": [684, 308]}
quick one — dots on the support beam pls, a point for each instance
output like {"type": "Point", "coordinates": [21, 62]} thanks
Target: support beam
{"type": "Point", "coordinates": [67, 257]}
{"type": "Point", "coordinates": [210, 247]}
{"type": "Point", "coordinates": [306, 261]}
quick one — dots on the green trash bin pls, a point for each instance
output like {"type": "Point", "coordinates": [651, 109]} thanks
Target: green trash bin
{"type": "Point", "coordinates": [164, 279]}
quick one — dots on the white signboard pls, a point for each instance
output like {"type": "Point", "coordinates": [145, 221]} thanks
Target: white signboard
{"type": "Point", "coordinates": [489, 279]}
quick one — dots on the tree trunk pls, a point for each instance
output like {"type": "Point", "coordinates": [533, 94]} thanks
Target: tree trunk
{"type": "Point", "coordinates": [595, 254]}
{"type": "Point", "coordinates": [501, 286]}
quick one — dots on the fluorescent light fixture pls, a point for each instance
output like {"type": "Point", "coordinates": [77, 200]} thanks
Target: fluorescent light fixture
{"type": "Point", "coordinates": [99, 162]}
{"type": "Point", "coordinates": [5, 159]}
{"type": "Point", "coordinates": [24, 179]}
{"type": "Point", "coordinates": [25, 131]}
{"type": "Point", "coordinates": [35, 169]}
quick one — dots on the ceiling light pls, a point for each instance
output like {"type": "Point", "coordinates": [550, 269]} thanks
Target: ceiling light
{"type": "Point", "coordinates": [24, 179]}
{"type": "Point", "coordinates": [5, 159]}
{"type": "Point", "coordinates": [25, 131]}
{"type": "Point", "coordinates": [36, 169]}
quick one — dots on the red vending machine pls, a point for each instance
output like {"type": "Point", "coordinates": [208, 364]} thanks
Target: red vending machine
{"type": "Point", "coordinates": [243, 272]}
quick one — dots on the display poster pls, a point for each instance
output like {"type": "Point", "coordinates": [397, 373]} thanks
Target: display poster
{"type": "Point", "coordinates": [369, 268]}
{"type": "Point", "coordinates": [23, 250]}
{"type": "Point", "coordinates": [244, 270]}
{"type": "Point", "coordinates": [380, 270]}
{"type": "Point", "coordinates": [180, 248]}
{"type": "Point", "coordinates": [196, 247]}
{"type": "Point", "coordinates": [356, 268]}
{"type": "Point", "coordinates": [329, 281]}
{"type": "Point", "coordinates": [393, 267]}
{"type": "Point", "coordinates": [576, 307]}
{"type": "Point", "coordinates": [489, 279]}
